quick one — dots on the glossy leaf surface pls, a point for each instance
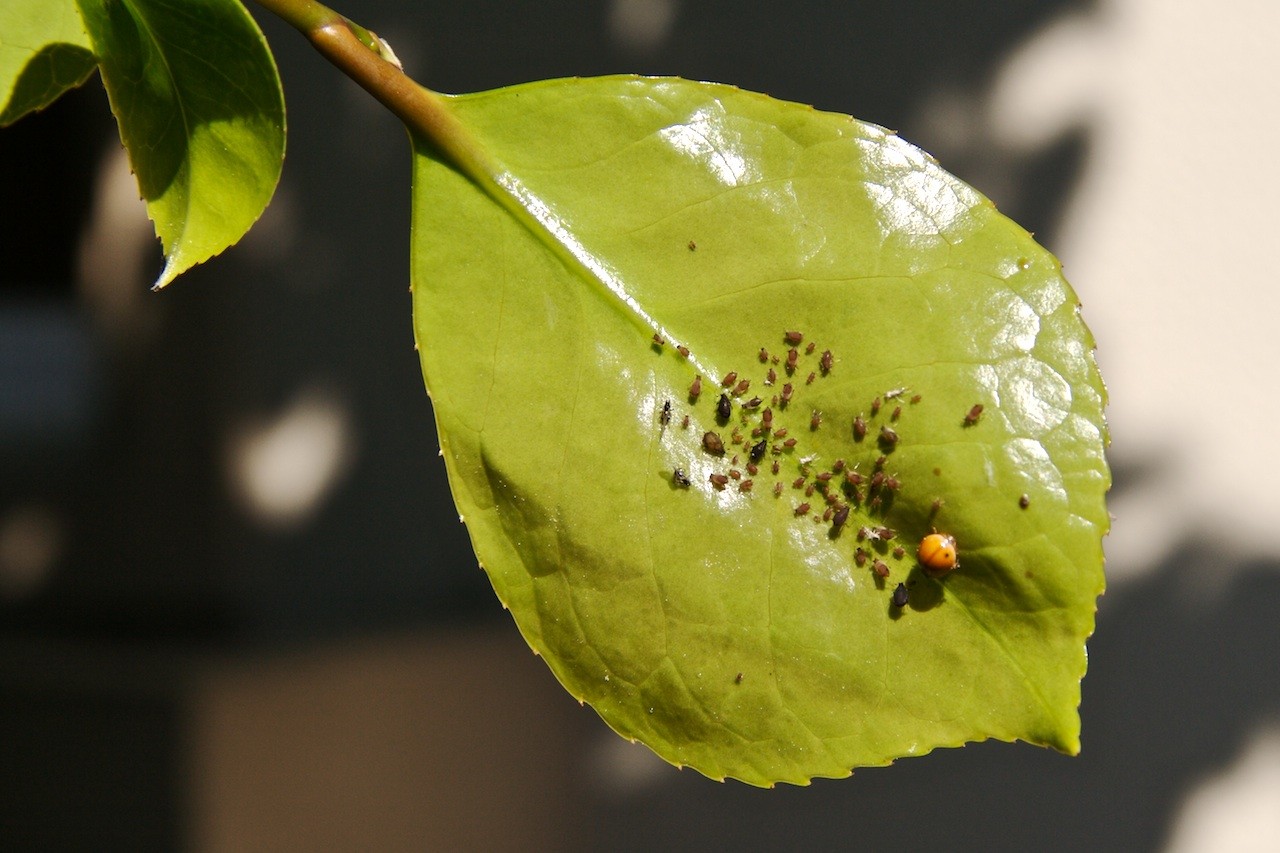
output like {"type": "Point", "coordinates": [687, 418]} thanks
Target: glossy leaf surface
{"type": "Point", "coordinates": [201, 113]}
{"type": "Point", "coordinates": [733, 629]}
{"type": "Point", "coordinates": [43, 53]}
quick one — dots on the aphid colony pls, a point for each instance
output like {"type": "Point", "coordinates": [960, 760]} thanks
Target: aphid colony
{"type": "Point", "coordinates": [747, 431]}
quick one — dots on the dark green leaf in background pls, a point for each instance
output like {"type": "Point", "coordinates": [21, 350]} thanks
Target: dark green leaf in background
{"type": "Point", "coordinates": [43, 53]}
{"type": "Point", "coordinates": [194, 89]}
{"type": "Point", "coordinates": [733, 630]}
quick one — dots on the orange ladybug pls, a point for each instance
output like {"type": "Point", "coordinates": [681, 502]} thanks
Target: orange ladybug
{"type": "Point", "coordinates": [938, 554]}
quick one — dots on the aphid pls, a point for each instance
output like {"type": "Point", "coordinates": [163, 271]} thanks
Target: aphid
{"type": "Point", "coordinates": [780, 433]}
{"type": "Point", "coordinates": [684, 422]}
{"type": "Point", "coordinates": [827, 513]}
{"type": "Point", "coordinates": [764, 355]}
{"type": "Point", "coordinates": [873, 505]}
{"type": "Point", "coordinates": [741, 387]}
{"type": "Point", "coordinates": [901, 596]}
{"type": "Point", "coordinates": [681, 479]}
{"type": "Point", "coordinates": [884, 534]}
{"type": "Point", "coordinates": [937, 553]}
{"type": "Point", "coordinates": [665, 417]}
{"type": "Point", "coordinates": [859, 428]}
{"type": "Point", "coordinates": [892, 483]}
{"type": "Point", "coordinates": [832, 497]}
{"type": "Point", "coordinates": [753, 403]}
{"type": "Point", "coordinates": [877, 480]}
{"type": "Point", "coordinates": [771, 377]}
{"type": "Point", "coordinates": [737, 436]}
{"type": "Point", "coordinates": [766, 418]}
{"type": "Point", "coordinates": [824, 476]}
{"type": "Point", "coordinates": [693, 247]}
{"type": "Point", "coordinates": [758, 450]}
{"type": "Point", "coordinates": [752, 469]}
{"type": "Point", "coordinates": [790, 442]}
{"type": "Point", "coordinates": [972, 417]}
{"type": "Point", "coordinates": [798, 483]}
{"type": "Point", "coordinates": [735, 473]}
{"type": "Point", "coordinates": [737, 679]}
{"type": "Point", "coordinates": [899, 552]}
{"type": "Point", "coordinates": [696, 388]}
{"type": "Point", "coordinates": [657, 340]}
{"type": "Point", "coordinates": [808, 490]}
{"type": "Point", "coordinates": [713, 443]}
{"type": "Point", "coordinates": [812, 376]}
{"type": "Point", "coordinates": [937, 505]}
{"type": "Point", "coordinates": [888, 436]}
{"type": "Point", "coordinates": [723, 408]}
{"type": "Point", "coordinates": [1024, 501]}
{"type": "Point", "coordinates": [866, 533]}
{"type": "Point", "coordinates": [853, 478]}
{"type": "Point", "coordinates": [880, 460]}
{"type": "Point", "coordinates": [802, 509]}
{"type": "Point", "coordinates": [793, 338]}
{"type": "Point", "coordinates": [916, 398]}
{"type": "Point", "coordinates": [719, 481]}
{"type": "Point", "coordinates": [875, 407]}
{"type": "Point", "coordinates": [860, 557]}
{"type": "Point", "coordinates": [809, 349]}
{"type": "Point", "coordinates": [827, 361]}
{"type": "Point", "coordinates": [897, 412]}
{"type": "Point", "coordinates": [815, 419]}
{"type": "Point", "coordinates": [840, 517]}
{"type": "Point", "coordinates": [683, 350]}
{"type": "Point", "coordinates": [881, 568]}
{"type": "Point", "coordinates": [775, 467]}
{"type": "Point", "coordinates": [729, 378]}
{"type": "Point", "coordinates": [786, 394]}
{"type": "Point", "coordinates": [793, 355]}
{"type": "Point", "coordinates": [777, 489]}
{"type": "Point", "coordinates": [837, 466]}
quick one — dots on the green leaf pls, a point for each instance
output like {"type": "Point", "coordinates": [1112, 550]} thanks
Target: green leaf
{"type": "Point", "coordinates": [195, 92]}
{"type": "Point", "coordinates": [43, 53]}
{"type": "Point", "coordinates": [729, 630]}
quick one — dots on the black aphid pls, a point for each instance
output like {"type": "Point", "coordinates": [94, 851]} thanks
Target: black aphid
{"type": "Point", "coordinates": [900, 595]}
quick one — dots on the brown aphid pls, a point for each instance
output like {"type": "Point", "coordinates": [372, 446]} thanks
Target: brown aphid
{"type": "Point", "coordinates": [792, 338]}
{"type": "Point", "coordinates": [884, 534]}
{"type": "Point", "coordinates": [735, 473]}
{"type": "Point", "coordinates": [853, 478]}
{"type": "Point", "coordinates": [737, 679]}
{"type": "Point", "coordinates": [888, 436]}
{"type": "Point", "coordinates": [758, 450]}
{"type": "Point", "coordinates": [837, 466]}
{"type": "Point", "coordinates": [723, 407]}
{"type": "Point", "coordinates": [719, 481]}
{"type": "Point", "coordinates": [775, 467]}
{"type": "Point", "coordinates": [899, 552]}
{"type": "Point", "coordinates": [741, 387]}
{"type": "Point", "coordinates": [736, 436]}
{"type": "Point", "coordinates": [752, 469]}
{"type": "Point", "coordinates": [897, 413]}
{"type": "Point", "coordinates": [916, 398]}
{"type": "Point", "coordinates": [823, 476]}
{"type": "Point", "coordinates": [840, 516]}
{"type": "Point", "coordinates": [1024, 501]}
{"type": "Point", "coordinates": [877, 480]}
{"type": "Point", "coordinates": [786, 394]}
{"type": "Point", "coordinates": [693, 247]}
{"type": "Point", "coordinates": [808, 490]}
{"type": "Point", "coordinates": [764, 355]}
{"type": "Point", "coordinates": [860, 557]}
{"type": "Point", "coordinates": [683, 350]}
{"type": "Point", "coordinates": [812, 376]}
{"type": "Point", "coordinates": [892, 483]}
{"type": "Point", "coordinates": [771, 377]}
{"type": "Point", "coordinates": [679, 477]}
{"type": "Point", "coordinates": [832, 497]}
{"type": "Point", "coordinates": [881, 569]}
{"type": "Point", "coordinates": [790, 442]}
{"type": "Point", "coordinates": [793, 356]}
{"type": "Point", "coordinates": [684, 422]}
{"type": "Point", "coordinates": [815, 419]}
{"type": "Point", "coordinates": [802, 509]}
{"type": "Point", "coordinates": [810, 348]}
{"type": "Point", "coordinates": [798, 483]}
{"type": "Point", "coordinates": [657, 340]}
{"type": "Point", "coordinates": [753, 403]}
{"type": "Point", "coordinates": [777, 490]}
{"type": "Point", "coordinates": [713, 443]}
{"type": "Point", "coordinates": [827, 361]}
{"type": "Point", "coordinates": [827, 513]}
{"type": "Point", "coordinates": [766, 418]}
{"type": "Point", "coordinates": [880, 460]}
{"type": "Point", "coordinates": [875, 407]}
{"type": "Point", "coordinates": [780, 433]}
{"type": "Point", "coordinates": [664, 417]}
{"type": "Point", "coordinates": [695, 390]}
{"type": "Point", "coordinates": [974, 414]}
{"type": "Point", "coordinates": [859, 428]}
{"type": "Point", "coordinates": [729, 378]}
{"type": "Point", "coordinates": [756, 432]}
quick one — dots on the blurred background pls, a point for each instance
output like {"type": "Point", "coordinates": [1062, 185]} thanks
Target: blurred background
{"type": "Point", "coordinates": [237, 611]}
